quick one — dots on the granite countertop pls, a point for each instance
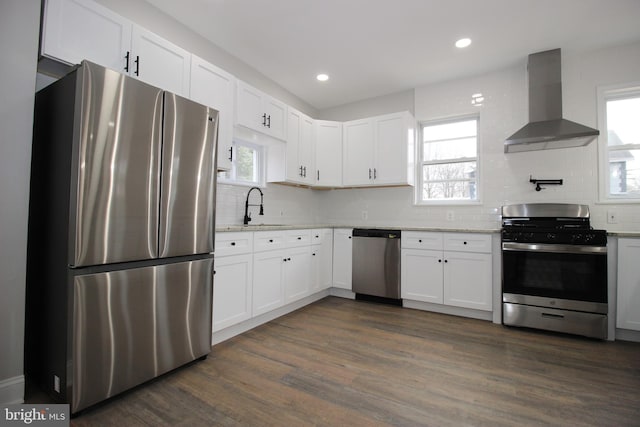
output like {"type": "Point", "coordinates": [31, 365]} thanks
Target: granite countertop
{"type": "Point", "coordinates": [624, 233]}
{"type": "Point", "coordinates": [265, 227]}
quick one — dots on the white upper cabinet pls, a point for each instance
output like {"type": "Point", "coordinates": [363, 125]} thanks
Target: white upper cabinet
{"type": "Point", "coordinates": [158, 62]}
{"type": "Point", "coordinates": [328, 153]}
{"type": "Point", "coordinates": [260, 112]}
{"type": "Point", "coordinates": [74, 30]}
{"type": "Point", "coordinates": [357, 149]}
{"type": "Point", "coordinates": [299, 148]}
{"type": "Point", "coordinates": [379, 150]}
{"type": "Point", "coordinates": [215, 88]}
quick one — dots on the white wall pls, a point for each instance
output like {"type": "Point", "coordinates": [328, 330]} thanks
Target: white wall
{"type": "Point", "coordinates": [392, 103]}
{"type": "Point", "coordinates": [505, 177]}
{"type": "Point", "coordinates": [19, 23]}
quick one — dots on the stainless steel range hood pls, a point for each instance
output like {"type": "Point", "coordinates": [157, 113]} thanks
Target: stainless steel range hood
{"type": "Point", "coordinates": [546, 128]}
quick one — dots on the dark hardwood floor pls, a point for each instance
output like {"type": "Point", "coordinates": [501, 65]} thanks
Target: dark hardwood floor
{"type": "Point", "coordinates": [349, 363]}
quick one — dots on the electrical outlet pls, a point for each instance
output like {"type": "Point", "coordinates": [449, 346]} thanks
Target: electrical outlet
{"type": "Point", "coordinates": [612, 217]}
{"type": "Point", "coordinates": [365, 215]}
{"type": "Point", "coordinates": [451, 216]}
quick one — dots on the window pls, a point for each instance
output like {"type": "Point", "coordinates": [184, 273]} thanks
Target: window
{"type": "Point", "coordinates": [247, 165]}
{"type": "Point", "coordinates": [620, 143]}
{"type": "Point", "coordinates": [448, 166]}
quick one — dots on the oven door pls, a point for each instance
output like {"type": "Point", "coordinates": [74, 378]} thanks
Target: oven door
{"type": "Point", "coordinates": [556, 272]}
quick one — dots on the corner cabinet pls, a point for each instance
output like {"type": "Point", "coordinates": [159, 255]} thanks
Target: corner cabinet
{"type": "Point", "coordinates": [74, 30]}
{"type": "Point", "coordinates": [379, 151]}
{"type": "Point", "coordinates": [628, 304]}
{"type": "Point", "coordinates": [260, 112]}
{"type": "Point", "coordinates": [453, 269]}
{"type": "Point", "coordinates": [292, 161]}
{"type": "Point", "coordinates": [215, 88]}
{"type": "Point", "coordinates": [328, 153]}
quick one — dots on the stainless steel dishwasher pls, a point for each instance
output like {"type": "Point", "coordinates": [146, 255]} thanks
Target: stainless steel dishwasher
{"type": "Point", "coordinates": [376, 263]}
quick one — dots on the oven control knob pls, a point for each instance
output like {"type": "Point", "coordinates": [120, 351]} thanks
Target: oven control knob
{"type": "Point", "coordinates": [551, 236]}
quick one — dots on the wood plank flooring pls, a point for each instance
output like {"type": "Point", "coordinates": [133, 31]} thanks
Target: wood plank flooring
{"type": "Point", "coordinates": [340, 362]}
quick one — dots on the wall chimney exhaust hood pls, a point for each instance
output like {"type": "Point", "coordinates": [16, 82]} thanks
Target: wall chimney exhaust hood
{"type": "Point", "coordinates": [547, 129]}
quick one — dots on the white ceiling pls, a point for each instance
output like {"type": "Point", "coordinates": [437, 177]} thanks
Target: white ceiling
{"type": "Point", "coordinates": [376, 47]}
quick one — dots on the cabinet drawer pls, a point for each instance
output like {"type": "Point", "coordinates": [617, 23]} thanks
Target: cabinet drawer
{"type": "Point", "coordinates": [233, 243]}
{"type": "Point", "coordinates": [421, 240]}
{"type": "Point", "coordinates": [318, 236]}
{"type": "Point", "coordinates": [295, 238]}
{"type": "Point", "coordinates": [268, 240]}
{"type": "Point", "coordinates": [467, 242]}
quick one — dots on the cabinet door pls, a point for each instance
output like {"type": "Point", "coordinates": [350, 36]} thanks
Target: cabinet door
{"type": "Point", "coordinates": [268, 290]}
{"type": "Point", "coordinates": [357, 149]}
{"type": "Point", "coordinates": [159, 62]}
{"type": "Point", "coordinates": [628, 315]}
{"type": "Point", "coordinates": [342, 258]}
{"type": "Point", "coordinates": [305, 149]}
{"type": "Point", "coordinates": [276, 117]}
{"type": "Point", "coordinates": [326, 259]}
{"type": "Point", "coordinates": [297, 274]}
{"type": "Point", "coordinates": [328, 153]}
{"type": "Point", "coordinates": [422, 275]}
{"type": "Point", "coordinates": [232, 290]}
{"type": "Point", "coordinates": [390, 150]}
{"type": "Point", "coordinates": [468, 280]}
{"type": "Point", "coordinates": [249, 107]}
{"type": "Point", "coordinates": [215, 88]}
{"type": "Point", "coordinates": [292, 164]}
{"type": "Point", "coordinates": [73, 30]}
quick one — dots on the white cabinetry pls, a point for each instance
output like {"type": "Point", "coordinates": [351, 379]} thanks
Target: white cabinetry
{"type": "Point", "coordinates": [379, 150]}
{"type": "Point", "coordinates": [215, 88]}
{"type": "Point", "coordinates": [447, 268]}
{"type": "Point", "coordinates": [260, 112]}
{"type": "Point", "coordinates": [328, 153]}
{"type": "Point", "coordinates": [232, 279]}
{"type": "Point", "coordinates": [282, 275]}
{"type": "Point", "coordinates": [628, 305]}
{"type": "Point", "coordinates": [293, 161]}
{"type": "Point", "coordinates": [74, 30]}
{"type": "Point", "coordinates": [321, 259]}
{"type": "Point", "coordinates": [158, 62]}
{"type": "Point", "coordinates": [342, 257]}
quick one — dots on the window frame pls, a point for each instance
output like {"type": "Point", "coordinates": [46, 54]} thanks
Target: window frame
{"type": "Point", "coordinates": [420, 162]}
{"type": "Point", "coordinates": [605, 94]}
{"type": "Point", "coordinates": [261, 162]}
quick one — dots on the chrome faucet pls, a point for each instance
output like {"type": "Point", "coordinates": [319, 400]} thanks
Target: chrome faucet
{"type": "Point", "coordinates": [247, 214]}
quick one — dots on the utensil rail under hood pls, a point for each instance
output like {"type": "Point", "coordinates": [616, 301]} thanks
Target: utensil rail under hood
{"type": "Point", "coordinates": [547, 129]}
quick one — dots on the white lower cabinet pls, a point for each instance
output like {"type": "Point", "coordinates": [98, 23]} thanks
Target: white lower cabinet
{"type": "Point", "coordinates": [628, 307]}
{"type": "Point", "coordinates": [447, 268]}
{"type": "Point", "coordinates": [268, 290]}
{"type": "Point", "coordinates": [342, 257]}
{"type": "Point", "coordinates": [232, 290]}
{"type": "Point", "coordinates": [297, 274]}
{"type": "Point", "coordinates": [321, 259]}
{"type": "Point", "coordinates": [232, 280]}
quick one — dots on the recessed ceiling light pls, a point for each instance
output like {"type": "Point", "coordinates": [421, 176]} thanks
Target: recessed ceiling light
{"type": "Point", "coordinates": [322, 77]}
{"type": "Point", "coordinates": [463, 43]}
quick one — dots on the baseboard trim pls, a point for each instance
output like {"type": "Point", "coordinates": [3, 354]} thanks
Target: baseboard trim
{"type": "Point", "coordinates": [12, 390]}
{"type": "Point", "coordinates": [447, 309]}
{"type": "Point", "coordinates": [627, 335]}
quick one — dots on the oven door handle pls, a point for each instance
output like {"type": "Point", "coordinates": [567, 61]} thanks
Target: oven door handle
{"type": "Point", "coordinates": [560, 249]}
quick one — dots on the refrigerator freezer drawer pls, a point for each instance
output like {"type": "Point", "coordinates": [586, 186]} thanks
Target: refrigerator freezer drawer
{"type": "Point", "coordinates": [130, 326]}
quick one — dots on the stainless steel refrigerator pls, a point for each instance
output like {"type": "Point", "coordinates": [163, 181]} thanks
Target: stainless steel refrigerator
{"type": "Point", "coordinates": [121, 235]}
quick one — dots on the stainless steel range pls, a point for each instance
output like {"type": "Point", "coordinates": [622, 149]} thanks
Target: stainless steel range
{"type": "Point", "coordinates": [554, 269]}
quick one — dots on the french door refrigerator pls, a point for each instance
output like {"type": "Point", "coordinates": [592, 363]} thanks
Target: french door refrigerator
{"type": "Point", "coordinates": [121, 235]}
